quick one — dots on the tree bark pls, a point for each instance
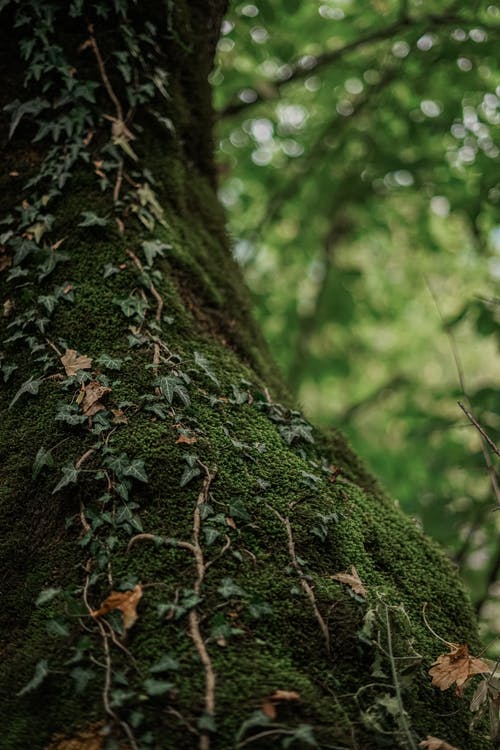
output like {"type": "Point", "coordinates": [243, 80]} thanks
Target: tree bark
{"type": "Point", "coordinates": [170, 468]}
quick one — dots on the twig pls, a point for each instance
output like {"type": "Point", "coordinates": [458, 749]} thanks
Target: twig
{"type": "Point", "coordinates": [118, 182]}
{"type": "Point", "coordinates": [107, 671]}
{"type": "Point", "coordinates": [152, 288]}
{"type": "Point", "coordinates": [196, 550]}
{"type": "Point", "coordinates": [267, 733]}
{"type": "Point", "coordinates": [194, 622]}
{"type": "Point", "coordinates": [303, 581]}
{"type": "Point", "coordinates": [298, 71]}
{"type": "Point", "coordinates": [395, 682]}
{"type": "Point", "coordinates": [456, 356]}
{"type": "Point", "coordinates": [53, 346]}
{"type": "Point", "coordinates": [478, 427]}
{"type": "Point", "coordinates": [451, 645]}
{"type": "Point", "coordinates": [104, 75]}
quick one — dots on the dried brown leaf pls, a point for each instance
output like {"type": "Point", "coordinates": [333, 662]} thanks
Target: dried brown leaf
{"type": "Point", "coordinates": [186, 439]}
{"type": "Point", "coordinates": [231, 523]}
{"type": "Point", "coordinates": [8, 308]}
{"type": "Point", "coordinates": [269, 709]}
{"type": "Point", "coordinates": [72, 362]}
{"type": "Point", "coordinates": [352, 579]}
{"type": "Point", "coordinates": [434, 743]}
{"type": "Point", "coordinates": [285, 695]}
{"type": "Point", "coordinates": [93, 393]}
{"type": "Point", "coordinates": [125, 601]}
{"type": "Point", "coordinates": [5, 262]}
{"type": "Point", "coordinates": [89, 738]}
{"type": "Point", "coordinates": [456, 666]}
{"type": "Point", "coordinates": [119, 416]}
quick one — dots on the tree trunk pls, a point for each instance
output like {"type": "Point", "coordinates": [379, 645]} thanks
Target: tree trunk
{"type": "Point", "coordinates": [170, 466]}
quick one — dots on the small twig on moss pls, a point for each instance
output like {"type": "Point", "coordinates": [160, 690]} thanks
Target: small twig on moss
{"type": "Point", "coordinates": [478, 427]}
{"type": "Point", "coordinates": [102, 70]}
{"type": "Point", "coordinates": [196, 550]}
{"type": "Point", "coordinates": [278, 731]}
{"type": "Point", "coordinates": [303, 580]}
{"type": "Point", "coordinates": [107, 669]}
{"type": "Point", "coordinates": [395, 681]}
{"type": "Point", "coordinates": [118, 182]}
{"type": "Point", "coordinates": [53, 346]}
{"type": "Point", "coordinates": [431, 630]}
{"type": "Point", "coordinates": [152, 288]}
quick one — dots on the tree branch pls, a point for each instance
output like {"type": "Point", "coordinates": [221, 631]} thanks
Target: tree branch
{"type": "Point", "coordinates": [299, 70]}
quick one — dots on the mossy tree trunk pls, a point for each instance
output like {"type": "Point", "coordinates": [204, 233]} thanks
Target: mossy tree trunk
{"type": "Point", "coordinates": [148, 446]}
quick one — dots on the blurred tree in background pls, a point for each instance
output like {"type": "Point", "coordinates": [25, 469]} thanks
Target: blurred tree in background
{"type": "Point", "coordinates": [359, 159]}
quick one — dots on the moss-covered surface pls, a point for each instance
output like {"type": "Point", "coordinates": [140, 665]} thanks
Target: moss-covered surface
{"type": "Point", "coordinates": [258, 624]}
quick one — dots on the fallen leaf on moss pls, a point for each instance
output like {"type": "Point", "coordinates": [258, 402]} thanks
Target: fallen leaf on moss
{"type": "Point", "coordinates": [456, 666]}
{"type": "Point", "coordinates": [89, 738]}
{"type": "Point", "coordinates": [125, 601]}
{"type": "Point", "coordinates": [72, 362]}
{"type": "Point", "coordinates": [186, 439]}
{"type": "Point", "coordinates": [268, 705]}
{"type": "Point", "coordinates": [119, 416]}
{"type": "Point", "coordinates": [8, 308]}
{"type": "Point", "coordinates": [269, 709]}
{"type": "Point", "coordinates": [352, 579]}
{"type": "Point", "coordinates": [92, 395]}
{"type": "Point", "coordinates": [285, 695]}
{"type": "Point", "coordinates": [5, 260]}
{"type": "Point", "coordinates": [434, 743]}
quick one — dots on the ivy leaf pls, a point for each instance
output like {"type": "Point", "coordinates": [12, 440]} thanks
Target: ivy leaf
{"type": "Point", "coordinates": [206, 723]}
{"type": "Point", "coordinates": [41, 672]}
{"type": "Point", "coordinates": [229, 588]}
{"type": "Point", "coordinates": [46, 596]}
{"type": "Point", "coordinates": [202, 362]}
{"type": "Point", "coordinates": [167, 663]}
{"type": "Point", "coordinates": [189, 473]}
{"type": "Point", "coordinates": [42, 458]}
{"type": "Point", "coordinates": [157, 687]}
{"type": "Point", "coordinates": [91, 219]}
{"type": "Point", "coordinates": [106, 361]}
{"type": "Point", "coordinates": [81, 677]}
{"type": "Point", "coordinates": [210, 535]}
{"type": "Point", "coordinates": [30, 387]}
{"type": "Point", "coordinates": [70, 475]}
{"type": "Point", "coordinates": [136, 470]}
{"type": "Point", "coordinates": [152, 249]}
{"type": "Point", "coordinates": [167, 387]}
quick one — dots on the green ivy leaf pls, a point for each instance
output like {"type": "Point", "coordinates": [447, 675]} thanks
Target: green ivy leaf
{"type": "Point", "coordinates": [30, 387]}
{"type": "Point", "coordinates": [91, 219]}
{"type": "Point", "coordinates": [157, 687]}
{"type": "Point", "coordinates": [229, 588]}
{"type": "Point", "coordinates": [152, 249]}
{"type": "Point", "coordinates": [206, 723]}
{"type": "Point", "coordinates": [136, 470]}
{"type": "Point", "coordinates": [189, 473]}
{"type": "Point", "coordinates": [46, 595]}
{"type": "Point", "coordinates": [106, 361]}
{"type": "Point", "coordinates": [42, 458]}
{"type": "Point", "coordinates": [167, 663]}
{"type": "Point", "coordinates": [70, 476]}
{"type": "Point", "coordinates": [41, 672]}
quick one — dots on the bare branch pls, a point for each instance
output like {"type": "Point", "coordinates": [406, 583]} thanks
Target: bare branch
{"type": "Point", "coordinates": [478, 427]}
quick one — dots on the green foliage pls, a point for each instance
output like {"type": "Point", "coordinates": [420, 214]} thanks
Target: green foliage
{"type": "Point", "coordinates": [360, 151]}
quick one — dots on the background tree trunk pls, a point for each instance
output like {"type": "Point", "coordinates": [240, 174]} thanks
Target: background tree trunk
{"type": "Point", "coordinates": [188, 479]}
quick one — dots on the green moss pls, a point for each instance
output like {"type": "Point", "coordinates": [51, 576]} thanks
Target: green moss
{"type": "Point", "coordinates": [265, 636]}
